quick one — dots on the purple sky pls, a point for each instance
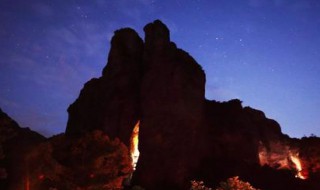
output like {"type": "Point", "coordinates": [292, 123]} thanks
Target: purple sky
{"type": "Point", "coordinates": [264, 52]}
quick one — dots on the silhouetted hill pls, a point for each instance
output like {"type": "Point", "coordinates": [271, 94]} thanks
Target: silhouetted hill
{"type": "Point", "coordinates": [182, 135]}
{"type": "Point", "coordinates": [15, 143]}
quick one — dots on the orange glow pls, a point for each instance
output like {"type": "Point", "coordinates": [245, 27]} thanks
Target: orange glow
{"type": "Point", "coordinates": [276, 158]}
{"type": "Point", "coordinates": [281, 156]}
{"type": "Point", "coordinates": [134, 151]}
{"type": "Point", "coordinates": [295, 159]}
{"type": "Point", "coordinates": [41, 177]}
{"type": "Point", "coordinates": [27, 183]}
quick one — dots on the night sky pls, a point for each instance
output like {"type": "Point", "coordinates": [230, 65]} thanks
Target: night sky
{"type": "Point", "coordinates": [264, 52]}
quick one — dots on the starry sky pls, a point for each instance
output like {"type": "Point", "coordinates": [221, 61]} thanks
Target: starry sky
{"type": "Point", "coordinates": [264, 52]}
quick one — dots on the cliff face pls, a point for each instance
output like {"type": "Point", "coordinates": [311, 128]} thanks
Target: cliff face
{"type": "Point", "coordinates": [182, 135]}
{"type": "Point", "coordinates": [172, 100]}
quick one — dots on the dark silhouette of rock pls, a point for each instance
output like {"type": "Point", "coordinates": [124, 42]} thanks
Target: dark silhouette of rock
{"type": "Point", "coordinates": [15, 142]}
{"type": "Point", "coordinates": [172, 100]}
{"type": "Point", "coordinates": [234, 127]}
{"type": "Point", "coordinates": [111, 102]}
{"type": "Point", "coordinates": [183, 136]}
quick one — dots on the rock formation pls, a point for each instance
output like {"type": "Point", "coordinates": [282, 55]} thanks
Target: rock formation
{"type": "Point", "coordinates": [112, 102]}
{"type": "Point", "coordinates": [182, 135]}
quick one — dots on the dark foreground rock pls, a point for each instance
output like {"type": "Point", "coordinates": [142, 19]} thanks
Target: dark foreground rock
{"type": "Point", "coordinates": [15, 143]}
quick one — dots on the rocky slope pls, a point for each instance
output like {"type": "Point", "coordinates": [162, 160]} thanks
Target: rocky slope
{"type": "Point", "coordinates": [15, 143]}
{"type": "Point", "coordinates": [182, 135]}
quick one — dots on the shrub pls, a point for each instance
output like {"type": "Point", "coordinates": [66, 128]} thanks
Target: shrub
{"type": "Point", "coordinates": [233, 183]}
{"type": "Point", "coordinates": [91, 162]}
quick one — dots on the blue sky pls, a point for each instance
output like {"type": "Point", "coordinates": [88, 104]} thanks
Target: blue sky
{"type": "Point", "coordinates": [264, 52]}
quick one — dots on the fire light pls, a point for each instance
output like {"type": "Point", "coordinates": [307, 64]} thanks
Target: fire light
{"type": "Point", "coordinates": [281, 156]}
{"type": "Point", "coordinates": [27, 183]}
{"type": "Point", "coordinates": [41, 177]}
{"type": "Point", "coordinates": [134, 145]}
{"type": "Point", "coordinates": [296, 161]}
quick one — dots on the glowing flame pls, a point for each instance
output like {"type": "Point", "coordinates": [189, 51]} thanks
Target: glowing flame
{"type": "Point", "coordinates": [27, 183]}
{"type": "Point", "coordinates": [281, 156]}
{"type": "Point", "coordinates": [134, 145]}
{"type": "Point", "coordinates": [295, 159]}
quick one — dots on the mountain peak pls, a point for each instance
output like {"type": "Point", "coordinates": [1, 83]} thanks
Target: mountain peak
{"type": "Point", "coordinates": [156, 34]}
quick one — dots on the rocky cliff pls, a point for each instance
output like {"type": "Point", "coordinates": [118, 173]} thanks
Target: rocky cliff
{"type": "Point", "coordinates": [112, 102]}
{"type": "Point", "coordinates": [182, 135]}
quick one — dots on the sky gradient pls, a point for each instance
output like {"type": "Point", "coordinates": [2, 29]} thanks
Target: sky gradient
{"type": "Point", "coordinates": [263, 52]}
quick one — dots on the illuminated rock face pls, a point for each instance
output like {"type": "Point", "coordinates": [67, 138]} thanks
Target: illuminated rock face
{"type": "Point", "coordinates": [183, 136]}
{"type": "Point", "coordinates": [282, 156]}
{"type": "Point", "coordinates": [134, 145]}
